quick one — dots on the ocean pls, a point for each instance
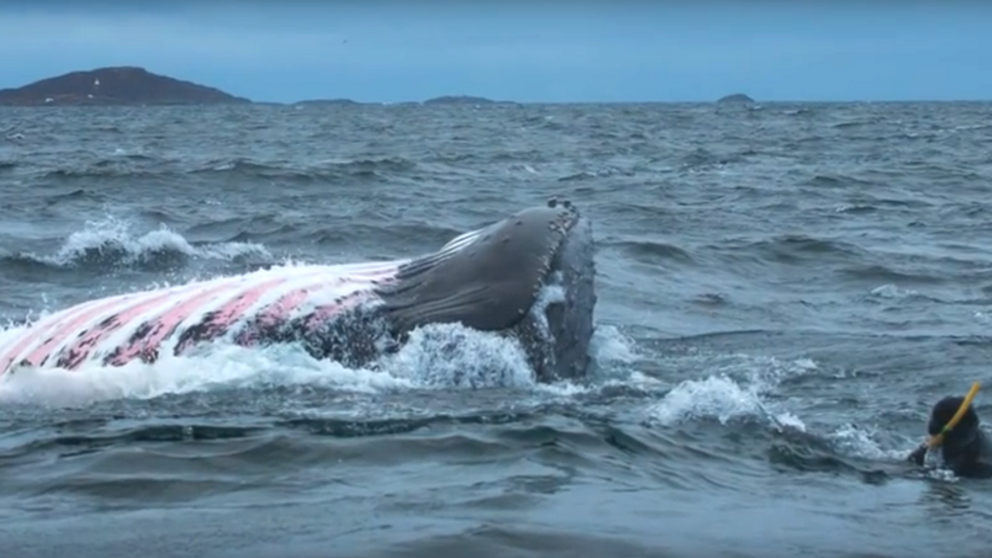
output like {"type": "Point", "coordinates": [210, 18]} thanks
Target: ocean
{"type": "Point", "coordinates": [784, 291]}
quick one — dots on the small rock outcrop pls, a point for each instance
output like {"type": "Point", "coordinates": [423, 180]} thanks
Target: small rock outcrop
{"type": "Point", "coordinates": [120, 85]}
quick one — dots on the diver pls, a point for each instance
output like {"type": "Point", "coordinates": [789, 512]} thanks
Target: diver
{"type": "Point", "coordinates": [955, 429]}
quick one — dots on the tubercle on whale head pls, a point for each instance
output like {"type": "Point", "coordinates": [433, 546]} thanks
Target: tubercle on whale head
{"type": "Point", "coordinates": [560, 326]}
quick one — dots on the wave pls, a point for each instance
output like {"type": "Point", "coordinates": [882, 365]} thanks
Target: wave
{"type": "Point", "coordinates": [649, 251]}
{"type": "Point", "coordinates": [839, 181]}
{"type": "Point", "coordinates": [319, 170]}
{"type": "Point", "coordinates": [792, 249]}
{"type": "Point", "coordinates": [867, 122]}
{"type": "Point", "coordinates": [272, 228]}
{"type": "Point", "coordinates": [135, 166]}
{"type": "Point", "coordinates": [700, 159]}
{"type": "Point", "coordinates": [112, 243]}
{"type": "Point", "coordinates": [879, 273]}
{"type": "Point", "coordinates": [233, 421]}
{"type": "Point", "coordinates": [588, 175]}
{"type": "Point", "coordinates": [260, 408]}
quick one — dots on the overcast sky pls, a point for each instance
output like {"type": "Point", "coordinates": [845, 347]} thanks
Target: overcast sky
{"type": "Point", "coordinates": [541, 50]}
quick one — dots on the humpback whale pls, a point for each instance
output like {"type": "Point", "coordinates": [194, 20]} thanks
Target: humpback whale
{"type": "Point", "coordinates": [493, 279]}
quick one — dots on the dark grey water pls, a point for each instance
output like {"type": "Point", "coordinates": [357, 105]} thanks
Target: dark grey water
{"type": "Point", "coordinates": [783, 294]}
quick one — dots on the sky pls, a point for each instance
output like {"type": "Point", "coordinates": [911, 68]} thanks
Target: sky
{"type": "Point", "coordinates": [534, 51]}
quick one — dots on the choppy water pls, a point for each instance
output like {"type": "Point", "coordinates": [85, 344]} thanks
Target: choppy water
{"type": "Point", "coordinates": [784, 292]}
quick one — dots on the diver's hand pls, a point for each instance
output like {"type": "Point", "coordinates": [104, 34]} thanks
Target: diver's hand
{"type": "Point", "coordinates": [918, 455]}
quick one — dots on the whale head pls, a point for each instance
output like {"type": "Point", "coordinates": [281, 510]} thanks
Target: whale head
{"type": "Point", "coordinates": [530, 276]}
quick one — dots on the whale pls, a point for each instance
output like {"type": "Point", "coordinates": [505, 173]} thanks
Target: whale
{"type": "Point", "coordinates": [528, 277]}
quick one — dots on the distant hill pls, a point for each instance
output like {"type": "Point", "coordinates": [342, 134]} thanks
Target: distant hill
{"type": "Point", "coordinates": [326, 102]}
{"type": "Point", "coordinates": [463, 100]}
{"type": "Point", "coordinates": [120, 85]}
{"type": "Point", "coordinates": [735, 99]}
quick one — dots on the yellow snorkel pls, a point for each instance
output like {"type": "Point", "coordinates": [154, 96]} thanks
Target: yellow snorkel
{"type": "Point", "coordinates": [936, 440]}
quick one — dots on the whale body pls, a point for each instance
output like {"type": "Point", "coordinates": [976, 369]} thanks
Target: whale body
{"type": "Point", "coordinates": [489, 279]}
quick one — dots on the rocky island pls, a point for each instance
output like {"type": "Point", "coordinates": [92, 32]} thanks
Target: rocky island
{"type": "Point", "coordinates": [120, 85]}
{"type": "Point", "coordinates": [735, 99]}
{"type": "Point", "coordinates": [326, 102]}
{"type": "Point", "coordinates": [460, 100]}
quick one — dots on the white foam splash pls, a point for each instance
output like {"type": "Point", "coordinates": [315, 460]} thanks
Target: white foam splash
{"type": "Point", "coordinates": [890, 291]}
{"type": "Point", "coordinates": [220, 366]}
{"type": "Point", "coordinates": [935, 466]}
{"type": "Point", "coordinates": [719, 395]}
{"type": "Point", "coordinates": [440, 356]}
{"type": "Point", "coordinates": [549, 294]}
{"type": "Point", "coordinates": [437, 356]}
{"type": "Point", "coordinates": [113, 234]}
{"type": "Point", "coordinates": [450, 355]}
{"type": "Point", "coordinates": [609, 345]}
{"type": "Point", "coordinates": [860, 441]}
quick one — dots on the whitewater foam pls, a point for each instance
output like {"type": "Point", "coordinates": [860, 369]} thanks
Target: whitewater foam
{"type": "Point", "coordinates": [113, 240]}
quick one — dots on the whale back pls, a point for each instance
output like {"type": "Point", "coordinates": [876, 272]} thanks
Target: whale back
{"type": "Point", "coordinates": [118, 329]}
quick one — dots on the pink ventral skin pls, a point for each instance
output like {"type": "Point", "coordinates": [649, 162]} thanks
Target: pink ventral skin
{"type": "Point", "coordinates": [146, 346]}
{"type": "Point", "coordinates": [41, 354]}
{"type": "Point", "coordinates": [75, 355]}
{"type": "Point", "coordinates": [23, 341]}
{"type": "Point", "coordinates": [31, 334]}
{"type": "Point", "coordinates": [274, 314]}
{"type": "Point", "coordinates": [221, 320]}
{"type": "Point", "coordinates": [278, 312]}
{"type": "Point", "coordinates": [325, 312]}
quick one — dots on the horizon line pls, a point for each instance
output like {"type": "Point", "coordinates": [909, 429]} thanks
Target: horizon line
{"type": "Point", "coordinates": [344, 102]}
{"type": "Point", "coordinates": [484, 100]}
{"type": "Point", "coordinates": [490, 101]}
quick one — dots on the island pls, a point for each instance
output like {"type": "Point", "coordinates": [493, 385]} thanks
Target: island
{"type": "Point", "coordinates": [460, 100]}
{"type": "Point", "coordinates": [326, 102]}
{"type": "Point", "coordinates": [111, 86]}
{"type": "Point", "coordinates": [735, 99]}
